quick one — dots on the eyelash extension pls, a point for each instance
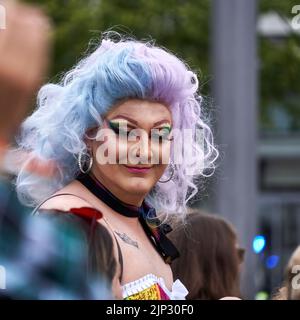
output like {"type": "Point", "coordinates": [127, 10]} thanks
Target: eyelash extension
{"type": "Point", "coordinates": [116, 128]}
{"type": "Point", "coordinates": [163, 137]}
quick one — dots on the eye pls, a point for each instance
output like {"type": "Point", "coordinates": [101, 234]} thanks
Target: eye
{"type": "Point", "coordinates": [162, 134]}
{"type": "Point", "coordinates": [119, 128]}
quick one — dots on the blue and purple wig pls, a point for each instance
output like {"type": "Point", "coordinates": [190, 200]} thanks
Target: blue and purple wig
{"type": "Point", "coordinates": [116, 70]}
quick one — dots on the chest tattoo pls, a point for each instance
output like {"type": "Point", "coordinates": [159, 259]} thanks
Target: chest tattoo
{"type": "Point", "coordinates": [127, 239]}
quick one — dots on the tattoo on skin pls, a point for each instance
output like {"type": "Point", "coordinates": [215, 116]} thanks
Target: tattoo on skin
{"type": "Point", "coordinates": [127, 239]}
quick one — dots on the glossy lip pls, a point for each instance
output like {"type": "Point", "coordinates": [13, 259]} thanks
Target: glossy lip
{"type": "Point", "coordinates": [137, 169]}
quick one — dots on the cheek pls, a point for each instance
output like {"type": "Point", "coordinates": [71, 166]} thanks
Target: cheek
{"type": "Point", "coordinates": [111, 172]}
{"type": "Point", "coordinates": [158, 171]}
{"type": "Point", "coordinates": [121, 151]}
{"type": "Point", "coordinates": [105, 149]}
{"type": "Point", "coordinates": [165, 153]}
{"type": "Point", "coordinates": [161, 152]}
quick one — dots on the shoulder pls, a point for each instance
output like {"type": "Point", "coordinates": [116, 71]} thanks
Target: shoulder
{"type": "Point", "coordinates": [64, 202]}
{"type": "Point", "coordinates": [71, 196]}
{"type": "Point", "coordinates": [72, 199]}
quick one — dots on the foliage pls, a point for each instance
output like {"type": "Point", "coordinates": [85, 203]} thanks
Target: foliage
{"type": "Point", "coordinates": [183, 27]}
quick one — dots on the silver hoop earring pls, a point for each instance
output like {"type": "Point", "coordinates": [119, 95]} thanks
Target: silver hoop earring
{"type": "Point", "coordinates": [172, 167]}
{"type": "Point", "coordinates": [85, 162]}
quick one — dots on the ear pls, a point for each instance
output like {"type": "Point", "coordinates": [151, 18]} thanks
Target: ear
{"type": "Point", "coordinates": [89, 135]}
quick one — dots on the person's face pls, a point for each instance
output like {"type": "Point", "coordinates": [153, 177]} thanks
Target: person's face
{"type": "Point", "coordinates": [139, 133]}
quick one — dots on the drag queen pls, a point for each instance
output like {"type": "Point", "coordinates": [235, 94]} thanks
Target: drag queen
{"type": "Point", "coordinates": [113, 127]}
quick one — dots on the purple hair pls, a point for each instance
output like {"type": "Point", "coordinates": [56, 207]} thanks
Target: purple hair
{"type": "Point", "coordinates": [116, 70]}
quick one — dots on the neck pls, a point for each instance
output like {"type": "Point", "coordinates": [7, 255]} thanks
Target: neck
{"type": "Point", "coordinates": [127, 198]}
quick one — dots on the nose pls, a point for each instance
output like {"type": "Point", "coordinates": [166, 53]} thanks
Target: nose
{"type": "Point", "coordinates": [142, 148]}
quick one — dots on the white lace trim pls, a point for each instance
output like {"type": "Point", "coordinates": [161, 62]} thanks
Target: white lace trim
{"type": "Point", "coordinates": [179, 291]}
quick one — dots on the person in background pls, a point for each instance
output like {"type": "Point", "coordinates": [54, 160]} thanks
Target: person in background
{"type": "Point", "coordinates": [24, 51]}
{"type": "Point", "coordinates": [210, 259]}
{"type": "Point", "coordinates": [64, 265]}
{"type": "Point", "coordinates": [291, 286]}
{"type": "Point", "coordinates": [89, 269]}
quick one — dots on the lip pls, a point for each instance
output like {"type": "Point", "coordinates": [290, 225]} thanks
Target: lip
{"type": "Point", "coordinates": [137, 169]}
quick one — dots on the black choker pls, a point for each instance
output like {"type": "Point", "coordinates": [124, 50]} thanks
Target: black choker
{"type": "Point", "coordinates": [155, 230]}
{"type": "Point", "coordinates": [101, 192]}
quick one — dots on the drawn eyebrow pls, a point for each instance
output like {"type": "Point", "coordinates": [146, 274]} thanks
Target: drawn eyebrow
{"type": "Point", "coordinates": [164, 121]}
{"type": "Point", "coordinates": [126, 118]}
{"type": "Point", "coordinates": [115, 122]}
{"type": "Point", "coordinates": [169, 128]}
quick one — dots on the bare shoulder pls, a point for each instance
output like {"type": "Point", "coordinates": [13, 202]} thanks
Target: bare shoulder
{"type": "Point", "coordinates": [70, 196]}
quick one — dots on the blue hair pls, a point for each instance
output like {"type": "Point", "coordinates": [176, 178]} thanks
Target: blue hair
{"type": "Point", "coordinates": [113, 72]}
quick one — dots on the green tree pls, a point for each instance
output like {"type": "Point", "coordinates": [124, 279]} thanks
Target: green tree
{"type": "Point", "coordinates": [279, 71]}
{"type": "Point", "coordinates": [184, 28]}
{"type": "Point", "coordinates": [179, 25]}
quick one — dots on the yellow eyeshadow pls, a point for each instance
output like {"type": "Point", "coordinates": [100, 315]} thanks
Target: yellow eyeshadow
{"type": "Point", "coordinates": [166, 127]}
{"type": "Point", "coordinates": [120, 122]}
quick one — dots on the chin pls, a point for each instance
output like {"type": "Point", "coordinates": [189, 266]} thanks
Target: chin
{"type": "Point", "coordinates": [139, 186]}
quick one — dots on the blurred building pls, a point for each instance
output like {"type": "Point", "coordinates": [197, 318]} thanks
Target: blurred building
{"type": "Point", "coordinates": [258, 181]}
{"type": "Point", "coordinates": [279, 170]}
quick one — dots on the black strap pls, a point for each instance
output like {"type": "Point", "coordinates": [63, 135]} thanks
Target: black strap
{"type": "Point", "coordinates": [120, 259]}
{"type": "Point", "coordinates": [120, 256]}
{"type": "Point", "coordinates": [102, 193]}
{"type": "Point", "coordinates": [145, 213]}
{"type": "Point", "coordinates": [53, 196]}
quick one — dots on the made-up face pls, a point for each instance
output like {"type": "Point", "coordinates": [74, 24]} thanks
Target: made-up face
{"type": "Point", "coordinates": [132, 148]}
